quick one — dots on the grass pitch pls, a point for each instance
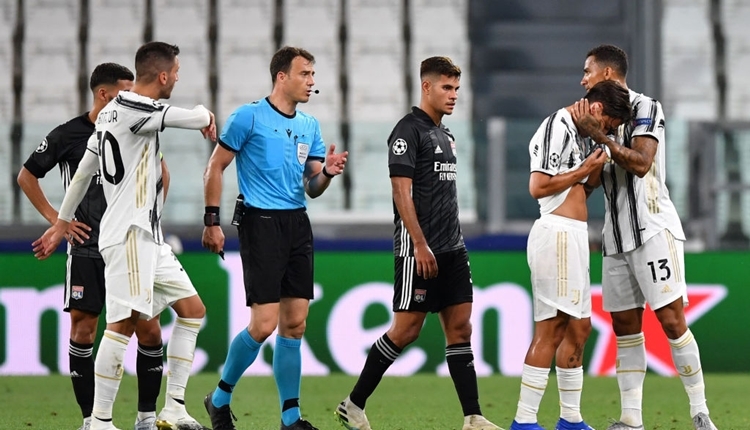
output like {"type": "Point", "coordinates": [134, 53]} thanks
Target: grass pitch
{"type": "Point", "coordinates": [413, 403]}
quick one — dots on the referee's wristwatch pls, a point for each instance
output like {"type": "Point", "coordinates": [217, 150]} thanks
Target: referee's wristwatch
{"type": "Point", "coordinates": [211, 217]}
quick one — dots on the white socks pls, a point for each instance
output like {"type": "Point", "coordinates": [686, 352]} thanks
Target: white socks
{"type": "Point", "coordinates": [570, 386]}
{"type": "Point", "coordinates": [631, 371]}
{"type": "Point", "coordinates": [533, 384]}
{"type": "Point", "coordinates": [108, 372]}
{"type": "Point", "coordinates": [180, 350]}
{"type": "Point", "coordinates": [687, 361]}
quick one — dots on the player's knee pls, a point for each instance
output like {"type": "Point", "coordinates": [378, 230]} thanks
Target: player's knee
{"type": "Point", "coordinates": [148, 332]}
{"type": "Point", "coordinates": [581, 332]}
{"type": "Point", "coordinates": [403, 336]}
{"type": "Point", "coordinates": [461, 333]}
{"type": "Point", "coordinates": [83, 327]}
{"type": "Point", "coordinates": [673, 326]}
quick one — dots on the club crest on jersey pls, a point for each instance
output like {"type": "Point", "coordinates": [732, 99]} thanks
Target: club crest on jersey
{"type": "Point", "coordinates": [399, 147]}
{"type": "Point", "coordinates": [453, 147]}
{"type": "Point", "coordinates": [302, 150]}
{"type": "Point", "coordinates": [420, 295]}
{"type": "Point", "coordinates": [42, 147]}
{"type": "Point", "coordinates": [76, 292]}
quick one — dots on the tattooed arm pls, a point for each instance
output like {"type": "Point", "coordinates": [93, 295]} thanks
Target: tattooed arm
{"type": "Point", "coordinates": [637, 159]}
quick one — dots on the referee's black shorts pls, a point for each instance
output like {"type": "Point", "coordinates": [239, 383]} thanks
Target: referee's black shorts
{"type": "Point", "coordinates": [276, 247]}
{"type": "Point", "coordinates": [452, 285]}
{"type": "Point", "coordinates": [84, 284]}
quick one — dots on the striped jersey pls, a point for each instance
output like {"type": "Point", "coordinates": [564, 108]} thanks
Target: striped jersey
{"type": "Point", "coordinates": [64, 147]}
{"type": "Point", "coordinates": [426, 153]}
{"type": "Point", "coordinates": [127, 144]}
{"type": "Point", "coordinates": [556, 148]}
{"type": "Point", "coordinates": [638, 208]}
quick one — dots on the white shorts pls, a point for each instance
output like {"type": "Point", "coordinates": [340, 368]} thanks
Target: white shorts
{"type": "Point", "coordinates": [142, 276]}
{"type": "Point", "coordinates": [653, 273]}
{"type": "Point", "coordinates": [558, 256]}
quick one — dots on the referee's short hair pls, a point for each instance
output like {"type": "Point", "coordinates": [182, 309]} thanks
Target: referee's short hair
{"type": "Point", "coordinates": [153, 58]}
{"type": "Point", "coordinates": [615, 99]}
{"type": "Point", "coordinates": [611, 56]}
{"type": "Point", "coordinates": [437, 66]}
{"type": "Point", "coordinates": [109, 74]}
{"type": "Point", "coordinates": [282, 60]}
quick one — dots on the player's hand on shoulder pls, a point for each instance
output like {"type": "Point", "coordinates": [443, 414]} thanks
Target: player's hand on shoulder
{"type": "Point", "coordinates": [426, 263]}
{"type": "Point", "coordinates": [335, 163]}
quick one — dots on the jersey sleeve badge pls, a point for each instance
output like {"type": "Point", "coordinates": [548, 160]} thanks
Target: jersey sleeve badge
{"type": "Point", "coordinates": [399, 147]}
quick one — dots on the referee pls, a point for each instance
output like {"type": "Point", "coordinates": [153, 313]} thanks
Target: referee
{"type": "Point", "coordinates": [280, 157]}
{"type": "Point", "coordinates": [431, 263]}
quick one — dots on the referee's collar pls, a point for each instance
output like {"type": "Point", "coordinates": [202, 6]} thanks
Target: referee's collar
{"type": "Point", "coordinates": [268, 100]}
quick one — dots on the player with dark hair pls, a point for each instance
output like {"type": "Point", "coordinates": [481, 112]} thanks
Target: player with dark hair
{"type": "Point", "coordinates": [642, 245]}
{"type": "Point", "coordinates": [142, 274]}
{"type": "Point", "coordinates": [280, 156]}
{"type": "Point", "coordinates": [84, 282]}
{"type": "Point", "coordinates": [431, 263]}
{"type": "Point", "coordinates": [563, 172]}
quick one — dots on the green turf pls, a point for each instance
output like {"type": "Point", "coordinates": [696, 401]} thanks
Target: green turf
{"type": "Point", "coordinates": [419, 402]}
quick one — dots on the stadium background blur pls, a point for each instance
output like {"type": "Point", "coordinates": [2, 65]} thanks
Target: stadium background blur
{"type": "Point", "coordinates": [521, 61]}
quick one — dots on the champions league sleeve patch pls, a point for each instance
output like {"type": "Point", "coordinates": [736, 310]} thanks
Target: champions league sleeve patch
{"type": "Point", "coordinates": [554, 160]}
{"type": "Point", "coordinates": [642, 121]}
{"type": "Point", "coordinates": [42, 147]}
{"type": "Point", "coordinates": [399, 147]}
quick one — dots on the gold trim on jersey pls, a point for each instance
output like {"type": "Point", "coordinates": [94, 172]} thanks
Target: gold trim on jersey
{"type": "Point", "coordinates": [675, 257]}
{"type": "Point", "coordinates": [134, 275]}
{"type": "Point", "coordinates": [141, 179]}
{"type": "Point", "coordinates": [562, 263]}
{"type": "Point", "coordinates": [652, 190]}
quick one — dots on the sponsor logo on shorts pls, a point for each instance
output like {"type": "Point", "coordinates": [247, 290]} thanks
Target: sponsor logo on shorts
{"type": "Point", "coordinates": [420, 295]}
{"type": "Point", "coordinates": [77, 292]}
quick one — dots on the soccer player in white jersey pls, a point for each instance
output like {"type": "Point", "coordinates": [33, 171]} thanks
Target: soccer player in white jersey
{"type": "Point", "coordinates": [563, 172]}
{"type": "Point", "coordinates": [143, 277]}
{"type": "Point", "coordinates": [642, 245]}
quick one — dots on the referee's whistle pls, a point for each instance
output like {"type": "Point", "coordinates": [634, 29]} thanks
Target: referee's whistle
{"type": "Point", "coordinates": [221, 254]}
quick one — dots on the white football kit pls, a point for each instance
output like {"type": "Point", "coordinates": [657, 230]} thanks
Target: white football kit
{"type": "Point", "coordinates": [141, 272]}
{"type": "Point", "coordinates": [558, 247]}
{"type": "Point", "coordinates": [642, 239]}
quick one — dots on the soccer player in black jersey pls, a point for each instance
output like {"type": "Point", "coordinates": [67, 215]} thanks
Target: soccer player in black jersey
{"type": "Point", "coordinates": [84, 281]}
{"type": "Point", "coordinates": [431, 263]}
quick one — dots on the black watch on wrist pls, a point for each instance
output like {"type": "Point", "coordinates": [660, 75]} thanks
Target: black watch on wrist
{"type": "Point", "coordinates": [210, 219]}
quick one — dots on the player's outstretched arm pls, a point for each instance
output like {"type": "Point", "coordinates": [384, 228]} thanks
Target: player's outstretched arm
{"type": "Point", "coordinates": [197, 118]}
{"type": "Point", "coordinates": [318, 175]}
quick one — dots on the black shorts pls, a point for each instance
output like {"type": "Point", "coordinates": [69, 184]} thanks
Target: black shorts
{"type": "Point", "coordinates": [84, 284]}
{"type": "Point", "coordinates": [276, 247]}
{"type": "Point", "coordinates": [452, 285]}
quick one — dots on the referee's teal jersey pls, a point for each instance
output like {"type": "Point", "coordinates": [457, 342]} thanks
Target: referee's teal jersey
{"type": "Point", "coordinates": [271, 149]}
